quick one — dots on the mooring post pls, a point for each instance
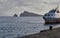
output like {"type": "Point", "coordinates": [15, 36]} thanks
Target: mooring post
{"type": "Point", "coordinates": [51, 27]}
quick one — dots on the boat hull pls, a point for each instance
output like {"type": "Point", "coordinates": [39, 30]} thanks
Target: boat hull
{"type": "Point", "coordinates": [56, 20]}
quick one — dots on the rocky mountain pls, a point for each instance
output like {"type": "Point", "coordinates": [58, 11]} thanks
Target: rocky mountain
{"type": "Point", "coordinates": [26, 13]}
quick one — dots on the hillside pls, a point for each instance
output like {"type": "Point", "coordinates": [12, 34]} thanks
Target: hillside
{"type": "Point", "coordinates": [26, 13]}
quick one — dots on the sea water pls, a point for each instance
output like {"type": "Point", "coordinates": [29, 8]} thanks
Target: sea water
{"type": "Point", "coordinates": [11, 27]}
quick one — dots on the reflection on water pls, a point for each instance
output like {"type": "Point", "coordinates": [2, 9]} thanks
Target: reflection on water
{"type": "Point", "coordinates": [51, 23]}
{"type": "Point", "coordinates": [55, 25]}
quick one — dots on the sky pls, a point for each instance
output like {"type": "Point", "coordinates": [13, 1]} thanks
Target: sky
{"type": "Point", "coordinates": [10, 7]}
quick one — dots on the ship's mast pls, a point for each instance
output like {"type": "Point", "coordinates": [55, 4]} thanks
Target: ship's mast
{"type": "Point", "coordinates": [56, 8]}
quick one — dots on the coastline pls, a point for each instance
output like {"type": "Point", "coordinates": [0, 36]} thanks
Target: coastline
{"type": "Point", "coordinates": [54, 33]}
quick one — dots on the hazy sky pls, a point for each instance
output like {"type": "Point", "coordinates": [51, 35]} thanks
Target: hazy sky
{"type": "Point", "coordinates": [10, 7]}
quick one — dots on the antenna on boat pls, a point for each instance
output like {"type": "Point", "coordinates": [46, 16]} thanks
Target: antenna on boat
{"type": "Point", "coordinates": [56, 7]}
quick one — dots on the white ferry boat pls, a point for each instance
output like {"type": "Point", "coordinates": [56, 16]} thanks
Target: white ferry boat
{"type": "Point", "coordinates": [52, 16]}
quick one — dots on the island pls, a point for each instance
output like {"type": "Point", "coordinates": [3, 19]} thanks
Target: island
{"type": "Point", "coordinates": [26, 13]}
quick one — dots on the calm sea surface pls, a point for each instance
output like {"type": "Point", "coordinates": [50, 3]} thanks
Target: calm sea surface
{"type": "Point", "coordinates": [11, 27]}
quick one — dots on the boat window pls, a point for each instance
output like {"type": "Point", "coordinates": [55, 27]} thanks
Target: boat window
{"type": "Point", "coordinates": [48, 14]}
{"type": "Point", "coordinates": [45, 14]}
{"type": "Point", "coordinates": [52, 11]}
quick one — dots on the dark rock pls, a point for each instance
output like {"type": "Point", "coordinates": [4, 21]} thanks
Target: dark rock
{"type": "Point", "coordinates": [15, 15]}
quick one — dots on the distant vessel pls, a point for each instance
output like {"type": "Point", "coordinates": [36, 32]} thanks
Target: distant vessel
{"type": "Point", "coordinates": [52, 16]}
